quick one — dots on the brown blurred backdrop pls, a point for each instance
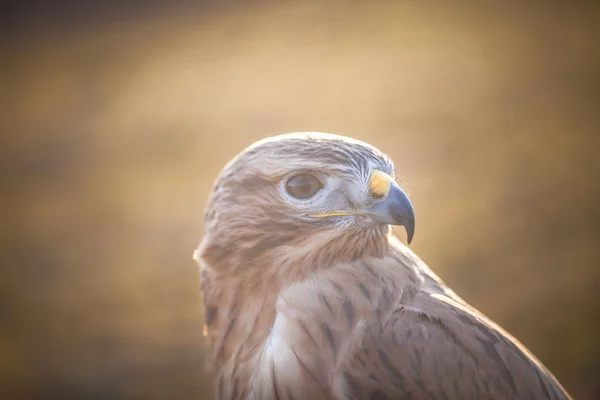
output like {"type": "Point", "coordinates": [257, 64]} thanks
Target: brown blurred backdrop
{"type": "Point", "coordinates": [118, 116]}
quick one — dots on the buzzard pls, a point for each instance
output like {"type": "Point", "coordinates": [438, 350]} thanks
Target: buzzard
{"type": "Point", "coordinates": [308, 295]}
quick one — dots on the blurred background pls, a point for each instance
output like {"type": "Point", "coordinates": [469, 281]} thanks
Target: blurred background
{"type": "Point", "coordinates": [118, 116]}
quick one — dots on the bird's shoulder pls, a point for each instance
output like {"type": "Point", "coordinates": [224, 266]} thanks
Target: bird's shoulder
{"type": "Point", "coordinates": [389, 326]}
{"type": "Point", "coordinates": [436, 346]}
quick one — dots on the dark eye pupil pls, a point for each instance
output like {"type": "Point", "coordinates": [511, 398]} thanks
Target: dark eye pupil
{"type": "Point", "coordinates": [303, 186]}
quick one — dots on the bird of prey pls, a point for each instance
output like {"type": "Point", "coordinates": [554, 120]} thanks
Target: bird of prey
{"type": "Point", "coordinates": [308, 295]}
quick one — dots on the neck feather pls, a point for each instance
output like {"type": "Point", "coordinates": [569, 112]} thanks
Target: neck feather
{"type": "Point", "coordinates": [240, 294]}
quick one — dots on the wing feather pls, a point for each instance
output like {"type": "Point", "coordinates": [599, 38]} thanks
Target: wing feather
{"type": "Point", "coordinates": [389, 328]}
{"type": "Point", "coordinates": [445, 351]}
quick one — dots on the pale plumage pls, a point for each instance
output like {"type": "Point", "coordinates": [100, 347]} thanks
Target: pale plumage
{"type": "Point", "coordinates": [307, 294]}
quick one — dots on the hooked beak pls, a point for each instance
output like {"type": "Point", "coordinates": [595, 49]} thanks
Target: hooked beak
{"type": "Point", "coordinates": [393, 208]}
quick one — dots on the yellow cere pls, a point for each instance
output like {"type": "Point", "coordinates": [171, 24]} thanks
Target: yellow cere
{"type": "Point", "coordinates": [380, 183]}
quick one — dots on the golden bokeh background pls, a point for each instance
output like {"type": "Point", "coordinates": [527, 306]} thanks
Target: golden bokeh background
{"type": "Point", "coordinates": [119, 115]}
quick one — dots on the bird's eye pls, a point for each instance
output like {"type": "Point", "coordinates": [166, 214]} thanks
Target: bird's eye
{"type": "Point", "coordinates": [303, 186]}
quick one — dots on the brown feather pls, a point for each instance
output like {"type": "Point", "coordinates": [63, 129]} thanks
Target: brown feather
{"type": "Point", "coordinates": [312, 309]}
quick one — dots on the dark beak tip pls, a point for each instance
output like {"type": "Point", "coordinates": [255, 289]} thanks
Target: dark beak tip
{"type": "Point", "coordinates": [402, 210]}
{"type": "Point", "coordinates": [410, 232]}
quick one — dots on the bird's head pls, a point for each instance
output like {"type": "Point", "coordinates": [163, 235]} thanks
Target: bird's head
{"type": "Point", "coordinates": [299, 192]}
